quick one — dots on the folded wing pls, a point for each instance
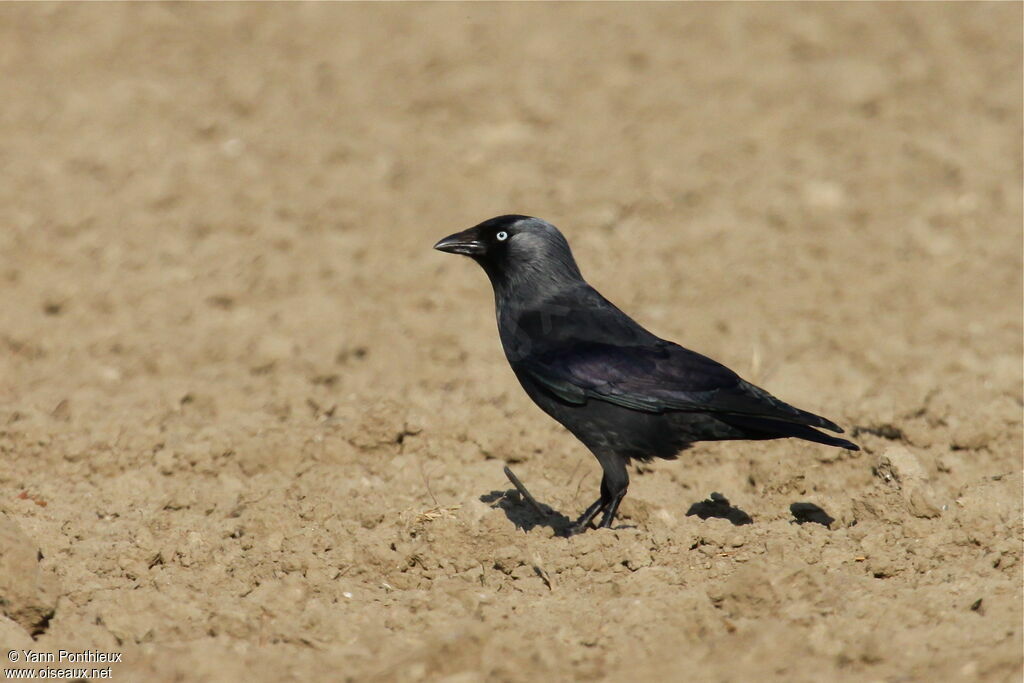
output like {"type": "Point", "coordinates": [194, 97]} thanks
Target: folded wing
{"type": "Point", "coordinates": [657, 378]}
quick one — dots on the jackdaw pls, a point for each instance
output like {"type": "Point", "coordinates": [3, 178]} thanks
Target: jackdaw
{"type": "Point", "coordinates": [622, 391]}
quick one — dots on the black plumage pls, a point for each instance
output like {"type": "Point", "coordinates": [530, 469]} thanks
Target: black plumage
{"type": "Point", "coordinates": [625, 393]}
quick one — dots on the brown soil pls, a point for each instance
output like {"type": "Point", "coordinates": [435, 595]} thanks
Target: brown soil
{"type": "Point", "coordinates": [256, 426]}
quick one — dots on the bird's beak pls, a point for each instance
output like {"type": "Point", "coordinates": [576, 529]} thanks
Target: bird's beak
{"type": "Point", "coordinates": [466, 242]}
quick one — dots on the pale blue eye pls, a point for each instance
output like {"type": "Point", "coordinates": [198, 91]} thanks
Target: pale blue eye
{"type": "Point", "coordinates": [502, 236]}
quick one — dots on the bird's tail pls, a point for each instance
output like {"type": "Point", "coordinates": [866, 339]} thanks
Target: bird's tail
{"type": "Point", "coordinates": [766, 428]}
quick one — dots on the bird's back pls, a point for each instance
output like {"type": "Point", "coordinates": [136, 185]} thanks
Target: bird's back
{"type": "Point", "coordinates": [560, 320]}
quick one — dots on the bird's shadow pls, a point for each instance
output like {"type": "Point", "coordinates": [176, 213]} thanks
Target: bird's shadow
{"type": "Point", "coordinates": [524, 515]}
{"type": "Point", "coordinates": [719, 507]}
{"type": "Point", "coordinates": [527, 513]}
{"type": "Point", "coordinates": [809, 512]}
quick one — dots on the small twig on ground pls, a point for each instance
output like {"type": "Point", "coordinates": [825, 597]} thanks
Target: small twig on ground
{"type": "Point", "coordinates": [524, 493]}
{"type": "Point", "coordinates": [426, 482]}
{"type": "Point", "coordinates": [539, 570]}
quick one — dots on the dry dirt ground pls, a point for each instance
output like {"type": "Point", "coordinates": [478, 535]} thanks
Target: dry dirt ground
{"type": "Point", "coordinates": [253, 427]}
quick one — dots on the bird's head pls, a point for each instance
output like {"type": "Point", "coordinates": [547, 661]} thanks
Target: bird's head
{"type": "Point", "coordinates": [516, 249]}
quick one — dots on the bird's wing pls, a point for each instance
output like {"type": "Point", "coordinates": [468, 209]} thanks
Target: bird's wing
{"type": "Point", "coordinates": [656, 378]}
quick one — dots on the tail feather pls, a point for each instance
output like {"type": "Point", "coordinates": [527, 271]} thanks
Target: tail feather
{"type": "Point", "coordinates": [773, 408]}
{"type": "Point", "coordinates": [819, 421]}
{"type": "Point", "coordinates": [766, 428]}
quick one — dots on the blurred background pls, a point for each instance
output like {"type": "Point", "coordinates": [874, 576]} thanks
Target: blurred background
{"type": "Point", "coordinates": [215, 254]}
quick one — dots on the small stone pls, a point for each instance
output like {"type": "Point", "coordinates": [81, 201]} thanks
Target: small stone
{"type": "Point", "coordinates": [900, 467]}
{"type": "Point", "coordinates": [899, 464]}
{"type": "Point", "coordinates": [28, 593]}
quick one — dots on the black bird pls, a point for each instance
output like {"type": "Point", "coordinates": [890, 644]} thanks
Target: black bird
{"type": "Point", "coordinates": [625, 393]}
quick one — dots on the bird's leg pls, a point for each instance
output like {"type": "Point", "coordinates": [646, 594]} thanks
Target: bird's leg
{"type": "Point", "coordinates": [609, 512]}
{"type": "Point", "coordinates": [613, 487]}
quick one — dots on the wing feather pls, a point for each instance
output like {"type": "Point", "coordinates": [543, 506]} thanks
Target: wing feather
{"type": "Point", "coordinates": [656, 378]}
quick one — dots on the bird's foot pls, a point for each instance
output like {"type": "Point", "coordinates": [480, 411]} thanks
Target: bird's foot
{"type": "Point", "coordinates": [578, 527]}
{"type": "Point", "coordinates": [586, 520]}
